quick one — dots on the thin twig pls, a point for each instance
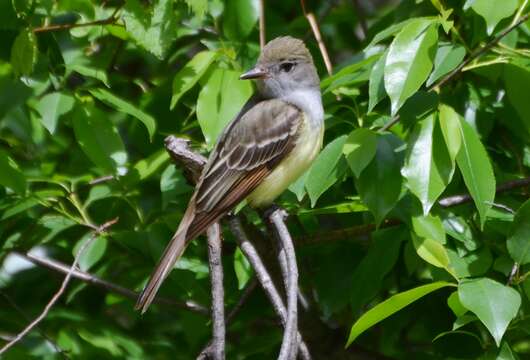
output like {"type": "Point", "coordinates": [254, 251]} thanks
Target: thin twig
{"type": "Point", "coordinates": [28, 319]}
{"type": "Point", "coordinates": [60, 27]}
{"type": "Point", "coordinates": [101, 179]}
{"type": "Point", "coordinates": [464, 198]}
{"type": "Point", "coordinates": [474, 55]}
{"type": "Point", "coordinates": [513, 272]}
{"type": "Point", "coordinates": [61, 290]}
{"type": "Point", "coordinates": [365, 229]}
{"type": "Point", "coordinates": [264, 278]}
{"type": "Point", "coordinates": [107, 285]}
{"type": "Point", "coordinates": [479, 52]}
{"type": "Point", "coordinates": [318, 37]}
{"type": "Point", "coordinates": [501, 206]}
{"type": "Point", "coordinates": [289, 346]}
{"type": "Point", "coordinates": [247, 291]}
{"type": "Point", "coordinates": [207, 350]}
{"type": "Point", "coordinates": [216, 279]}
{"type": "Point", "coordinates": [262, 36]}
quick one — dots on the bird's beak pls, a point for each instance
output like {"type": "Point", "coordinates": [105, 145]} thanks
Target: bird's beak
{"type": "Point", "coordinates": [256, 73]}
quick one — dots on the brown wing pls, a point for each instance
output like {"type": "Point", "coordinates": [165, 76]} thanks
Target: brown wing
{"type": "Point", "coordinates": [246, 153]}
{"type": "Point", "coordinates": [248, 150]}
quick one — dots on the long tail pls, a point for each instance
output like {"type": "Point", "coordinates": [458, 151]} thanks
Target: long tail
{"type": "Point", "coordinates": [171, 254]}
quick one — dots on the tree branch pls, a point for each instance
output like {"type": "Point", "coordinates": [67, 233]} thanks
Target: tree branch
{"type": "Point", "coordinates": [59, 27]}
{"type": "Point", "coordinates": [287, 257]}
{"type": "Point", "coordinates": [479, 52]}
{"type": "Point", "coordinates": [216, 279]}
{"type": "Point", "coordinates": [365, 229]}
{"type": "Point", "coordinates": [192, 164]}
{"type": "Point", "coordinates": [465, 198]}
{"type": "Point", "coordinates": [474, 55]}
{"type": "Point", "coordinates": [107, 285]}
{"type": "Point", "coordinates": [265, 279]}
{"type": "Point", "coordinates": [28, 319]}
{"type": "Point", "coordinates": [101, 229]}
{"type": "Point", "coordinates": [318, 37]}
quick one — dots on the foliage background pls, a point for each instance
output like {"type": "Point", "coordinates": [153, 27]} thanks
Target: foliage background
{"type": "Point", "coordinates": [86, 102]}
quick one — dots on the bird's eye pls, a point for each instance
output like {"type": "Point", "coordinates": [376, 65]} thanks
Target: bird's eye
{"type": "Point", "coordinates": [286, 66]}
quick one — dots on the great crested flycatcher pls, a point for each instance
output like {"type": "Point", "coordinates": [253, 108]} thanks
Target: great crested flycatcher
{"type": "Point", "coordinates": [270, 143]}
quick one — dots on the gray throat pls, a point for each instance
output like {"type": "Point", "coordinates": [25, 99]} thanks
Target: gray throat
{"type": "Point", "coordinates": [309, 100]}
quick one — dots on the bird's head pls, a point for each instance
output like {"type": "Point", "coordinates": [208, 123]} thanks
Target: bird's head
{"type": "Point", "coordinates": [284, 65]}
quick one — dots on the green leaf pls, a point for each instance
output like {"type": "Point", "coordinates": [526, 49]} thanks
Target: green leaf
{"type": "Point", "coordinates": [409, 61]}
{"type": "Point", "coordinates": [431, 251]}
{"type": "Point", "coordinates": [92, 253]}
{"type": "Point", "coordinates": [349, 75]}
{"type": "Point", "coordinates": [447, 58]}
{"type": "Point", "coordinates": [188, 76]}
{"type": "Point", "coordinates": [51, 107]}
{"type": "Point", "coordinates": [325, 170]}
{"type": "Point", "coordinates": [494, 11]}
{"type": "Point", "coordinates": [221, 98]}
{"type": "Point", "coordinates": [453, 301]}
{"type": "Point", "coordinates": [519, 241]}
{"type": "Point", "coordinates": [55, 224]}
{"type": "Point", "coordinates": [239, 18]}
{"type": "Point", "coordinates": [24, 53]}
{"type": "Point", "coordinates": [428, 166]}
{"type": "Point", "coordinates": [99, 139]}
{"type": "Point", "coordinates": [394, 29]}
{"type": "Point", "coordinates": [89, 71]}
{"type": "Point", "coordinates": [198, 7]}
{"type": "Point", "coordinates": [379, 184]}
{"type": "Point", "coordinates": [505, 353]}
{"type": "Point", "coordinates": [517, 79]}
{"type": "Point", "coordinates": [195, 265]}
{"type": "Point", "coordinates": [10, 174]}
{"type": "Point", "coordinates": [298, 187]}
{"type": "Point", "coordinates": [475, 263]}
{"type": "Point", "coordinates": [126, 107]}
{"type": "Point", "coordinates": [145, 168]}
{"type": "Point", "coordinates": [153, 29]}
{"type": "Point", "coordinates": [476, 169]}
{"type": "Point", "coordinates": [242, 269]}
{"type": "Point", "coordinates": [450, 125]}
{"type": "Point", "coordinates": [429, 227]}
{"type": "Point", "coordinates": [493, 303]}
{"type": "Point", "coordinates": [390, 306]}
{"type": "Point", "coordinates": [376, 86]}
{"type": "Point", "coordinates": [360, 149]}
{"type": "Point", "coordinates": [380, 259]}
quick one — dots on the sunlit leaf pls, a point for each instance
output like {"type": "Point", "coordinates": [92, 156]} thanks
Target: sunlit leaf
{"type": "Point", "coordinates": [494, 11]}
{"type": "Point", "coordinates": [126, 107]}
{"type": "Point", "coordinates": [475, 166]}
{"type": "Point", "coordinates": [493, 303]}
{"type": "Point", "coordinates": [409, 61]}
{"type": "Point", "coordinates": [325, 171]}
{"type": "Point", "coordinates": [188, 76]}
{"type": "Point", "coordinates": [24, 53]}
{"type": "Point", "coordinates": [390, 306]}
{"type": "Point", "coordinates": [219, 101]}
{"type": "Point", "coordinates": [519, 240]}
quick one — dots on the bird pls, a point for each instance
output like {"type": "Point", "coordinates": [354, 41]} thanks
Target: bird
{"type": "Point", "coordinates": [269, 144]}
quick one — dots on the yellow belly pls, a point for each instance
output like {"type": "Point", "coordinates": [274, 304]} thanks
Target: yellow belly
{"type": "Point", "coordinates": [306, 149]}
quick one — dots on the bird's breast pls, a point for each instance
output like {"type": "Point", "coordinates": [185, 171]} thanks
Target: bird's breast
{"type": "Point", "coordinates": [305, 150]}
